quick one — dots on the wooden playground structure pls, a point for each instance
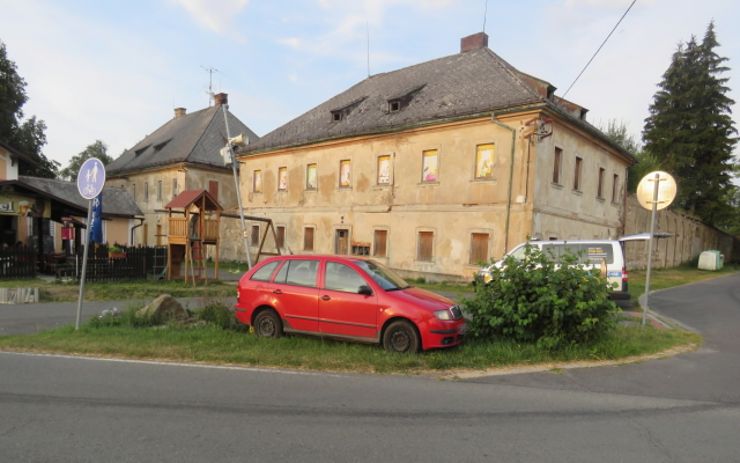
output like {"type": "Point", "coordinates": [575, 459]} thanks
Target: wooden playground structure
{"type": "Point", "coordinates": [194, 218]}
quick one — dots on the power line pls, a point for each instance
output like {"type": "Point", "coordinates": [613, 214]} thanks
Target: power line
{"type": "Point", "coordinates": [600, 47]}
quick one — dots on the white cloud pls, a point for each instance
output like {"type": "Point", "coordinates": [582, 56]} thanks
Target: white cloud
{"type": "Point", "coordinates": [215, 15]}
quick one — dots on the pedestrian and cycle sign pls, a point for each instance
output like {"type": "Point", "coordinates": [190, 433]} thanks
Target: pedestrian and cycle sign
{"type": "Point", "coordinates": [91, 178]}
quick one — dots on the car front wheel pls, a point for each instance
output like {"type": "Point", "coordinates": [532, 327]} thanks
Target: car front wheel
{"type": "Point", "coordinates": [267, 324]}
{"type": "Point", "coordinates": [401, 337]}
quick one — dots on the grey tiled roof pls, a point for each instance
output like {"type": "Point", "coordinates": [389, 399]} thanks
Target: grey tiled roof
{"type": "Point", "coordinates": [116, 201]}
{"type": "Point", "coordinates": [196, 137]}
{"type": "Point", "coordinates": [458, 85]}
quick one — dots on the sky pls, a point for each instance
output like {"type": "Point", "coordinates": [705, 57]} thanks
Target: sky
{"type": "Point", "coordinates": [114, 70]}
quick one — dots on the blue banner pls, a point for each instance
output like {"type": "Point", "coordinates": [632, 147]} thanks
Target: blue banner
{"type": "Point", "coordinates": [96, 225]}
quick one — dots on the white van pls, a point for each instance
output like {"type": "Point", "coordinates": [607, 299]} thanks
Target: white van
{"type": "Point", "coordinates": [594, 253]}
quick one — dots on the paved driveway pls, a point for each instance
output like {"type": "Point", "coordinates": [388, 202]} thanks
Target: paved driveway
{"type": "Point", "coordinates": [710, 374]}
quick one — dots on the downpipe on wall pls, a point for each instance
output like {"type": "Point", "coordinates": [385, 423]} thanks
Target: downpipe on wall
{"type": "Point", "coordinates": [511, 179]}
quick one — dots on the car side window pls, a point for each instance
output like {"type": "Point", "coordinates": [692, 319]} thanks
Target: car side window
{"type": "Point", "coordinates": [264, 273]}
{"type": "Point", "coordinates": [340, 277]}
{"type": "Point", "coordinates": [298, 272]}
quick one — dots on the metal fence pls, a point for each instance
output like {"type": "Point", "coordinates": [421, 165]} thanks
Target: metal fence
{"type": "Point", "coordinates": [17, 262]}
{"type": "Point", "coordinates": [128, 264]}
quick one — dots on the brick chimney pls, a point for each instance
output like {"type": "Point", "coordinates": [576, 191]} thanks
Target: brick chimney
{"type": "Point", "coordinates": [220, 99]}
{"type": "Point", "coordinates": [473, 42]}
{"type": "Point", "coordinates": [179, 112]}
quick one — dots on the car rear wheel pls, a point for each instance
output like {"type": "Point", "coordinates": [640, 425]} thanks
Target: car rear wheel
{"type": "Point", "coordinates": [401, 337]}
{"type": "Point", "coordinates": [267, 324]}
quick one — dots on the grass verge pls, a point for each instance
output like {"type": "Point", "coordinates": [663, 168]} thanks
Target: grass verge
{"type": "Point", "coordinates": [212, 344]}
{"type": "Point", "coordinates": [121, 290]}
{"type": "Point", "coordinates": [676, 276]}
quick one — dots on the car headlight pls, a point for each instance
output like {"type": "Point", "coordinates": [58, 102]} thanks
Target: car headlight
{"type": "Point", "coordinates": [443, 314]}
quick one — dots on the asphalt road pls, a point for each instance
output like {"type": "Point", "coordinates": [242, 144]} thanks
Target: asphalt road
{"type": "Point", "coordinates": [683, 409]}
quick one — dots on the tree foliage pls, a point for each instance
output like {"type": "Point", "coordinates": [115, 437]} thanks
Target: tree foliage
{"type": "Point", "coordinates": [98, 149]}
{"type": "Point", "coordinates": [534, 300]}
{"type": "Point", "coordinates": [29, 136]}
{"type": "Point", "coordinates": [690, 131]}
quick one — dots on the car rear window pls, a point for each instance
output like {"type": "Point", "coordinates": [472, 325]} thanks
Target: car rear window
{"type": "Point", "coordinates": [298, 272]}
{"type": "Point", "coordinates": [264, 273]}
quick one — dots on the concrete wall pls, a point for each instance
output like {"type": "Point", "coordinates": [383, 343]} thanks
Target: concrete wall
{"type": "Point", "coordinates": [690, 238]}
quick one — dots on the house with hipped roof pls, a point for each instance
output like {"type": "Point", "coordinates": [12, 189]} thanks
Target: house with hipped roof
{"type": "Point", "coordinates": [438, 167]}
{"type": "Point", "coordinates": [183, 154]}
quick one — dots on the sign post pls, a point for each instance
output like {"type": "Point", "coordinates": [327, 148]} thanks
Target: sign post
{"type": "Point", "coordinates": [656, 191]}
{"type": "Point", "coordinates": [90, 181]}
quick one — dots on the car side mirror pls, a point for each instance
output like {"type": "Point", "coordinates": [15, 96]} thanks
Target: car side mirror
{"type": "Point", "coordinates": [365, 290]}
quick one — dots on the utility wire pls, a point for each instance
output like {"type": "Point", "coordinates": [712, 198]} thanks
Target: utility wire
{"type": "Point", "coordinates": [600, 47]}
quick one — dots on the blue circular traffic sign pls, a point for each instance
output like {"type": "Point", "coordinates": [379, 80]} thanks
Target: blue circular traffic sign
{"type": "Point", "coordinates": [91, 178]}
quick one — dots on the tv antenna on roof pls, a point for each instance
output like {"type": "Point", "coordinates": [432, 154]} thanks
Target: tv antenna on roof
{"type": "Point", "coordinates": [485, 15]}
{"type": "Point", "coordinates": [210, 72]}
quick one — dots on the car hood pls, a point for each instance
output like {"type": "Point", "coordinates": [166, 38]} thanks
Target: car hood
{"type": "Point", "coordinates": [422, 298]}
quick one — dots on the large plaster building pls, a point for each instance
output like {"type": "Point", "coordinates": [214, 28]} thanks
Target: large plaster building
{"type": "Point", "coordinates": [183, 154]}
{"type": "Point", "coordinates": [437, 167]}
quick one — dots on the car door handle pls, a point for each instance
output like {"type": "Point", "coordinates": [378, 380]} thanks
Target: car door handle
{"type": "Point", "coordinates": [325, 298]}
{"type": "Point", "coordinates": [277, 291]}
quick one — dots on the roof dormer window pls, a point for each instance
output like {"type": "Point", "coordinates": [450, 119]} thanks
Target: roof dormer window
{"type": "Point", "coordinates": [341, 113]}
{"type": "Point", "coordinates": [401, 100]}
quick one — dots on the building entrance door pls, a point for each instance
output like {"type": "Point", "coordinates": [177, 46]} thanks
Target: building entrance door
{"type": "Point", "coordinates": [341, 241]}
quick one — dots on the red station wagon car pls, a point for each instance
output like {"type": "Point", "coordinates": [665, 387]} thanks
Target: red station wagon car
{"type": "Point", "coordinates": [348, 298]}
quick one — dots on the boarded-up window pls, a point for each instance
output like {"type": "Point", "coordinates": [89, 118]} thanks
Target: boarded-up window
{"type": "Point", "coordinates": [308, 238]}
{"type": "Point", "coordinates": [213, 189]}
{"type": "Point", "coordinates": [312, 179]}
{"type": "Point", "coordinates": [345, 173]}
{"type": "Point", "coordinates": [478, 248]}
{"type": "Point", "coordinates": [557, 161]}
{"type": "Point", "coordinates": [600, 188]}
{"type": "Point", "coordinates": [282, 178]}
{"type": "Point", "coordinates": [159, 190]}
{"type": "Point", "coordinates": [255, 239]}
{"type": "Point", "coordinates": [577, 175]}
{"type": "Point", "coordinates": [384, 170]}
{"type": "Point", "coordinates": [174, 187]}
{"type": "Point", "coordinates": [484, 159]}
{"type": "Point", "coordinates": [257, 181]}
{"type": "Point", "coordinates": [429, 166]}
{"type": "Point", "coordinates": [425, 246]}
{"type": "Point", "coordinates": [615, 188]}
{"type": "Point", "coordinates": [280, 232]}
{"type": "Point", "coordinates": [380, 240]}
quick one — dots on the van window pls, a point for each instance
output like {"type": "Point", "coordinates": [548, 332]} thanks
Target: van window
{"type": "Point", "coordinates": [588, 253]}
{"type": "Point", "coordinates": [518, 253]}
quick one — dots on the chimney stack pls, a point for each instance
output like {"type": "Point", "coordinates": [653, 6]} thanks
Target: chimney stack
{"type": "Point", "coordinates": [473, 42]}
{"type": "Point", "coordinates": [220, 99]}
{"type": "Point", "coordinates": [179, 112]}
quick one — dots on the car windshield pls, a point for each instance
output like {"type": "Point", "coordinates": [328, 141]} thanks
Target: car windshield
{"type": "Point", "coordinates": [383, 276]}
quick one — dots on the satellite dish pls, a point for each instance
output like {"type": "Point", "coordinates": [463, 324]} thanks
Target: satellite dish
{"type": "Point", "coordinates": [666, 190]}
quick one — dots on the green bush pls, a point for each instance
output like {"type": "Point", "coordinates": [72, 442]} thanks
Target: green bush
{"type": "Point", "coordinates": [219, 314]}
{"type": "Point", "coordinates": [530, 300]}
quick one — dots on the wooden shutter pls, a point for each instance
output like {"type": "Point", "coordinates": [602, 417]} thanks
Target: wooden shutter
{"type": "Point", "coordinates": [379, 245]}
{"type": "Point", "coordinates": [280, 236]}
{"type": "Point", "coordinates": [255, 235]}
{"type": "Point", "coordinates": [426, 246]}
{"type": "Point", "coordinates": [478, 248]}
{"type": "Point", "coordinates": [213, 188]}
{"type": "Point", "coordinates": [308, 239]}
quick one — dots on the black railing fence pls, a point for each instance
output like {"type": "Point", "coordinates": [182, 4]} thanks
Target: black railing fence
{"type": "Point", "coordinates": [17, 262]}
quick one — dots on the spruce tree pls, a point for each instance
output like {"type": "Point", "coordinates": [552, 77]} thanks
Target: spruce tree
{"type": "Point", "coordinates": [690, 130]}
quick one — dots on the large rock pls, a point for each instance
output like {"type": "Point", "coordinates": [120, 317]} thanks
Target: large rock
{"type": "Point", "coordinates": [163, 309]}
